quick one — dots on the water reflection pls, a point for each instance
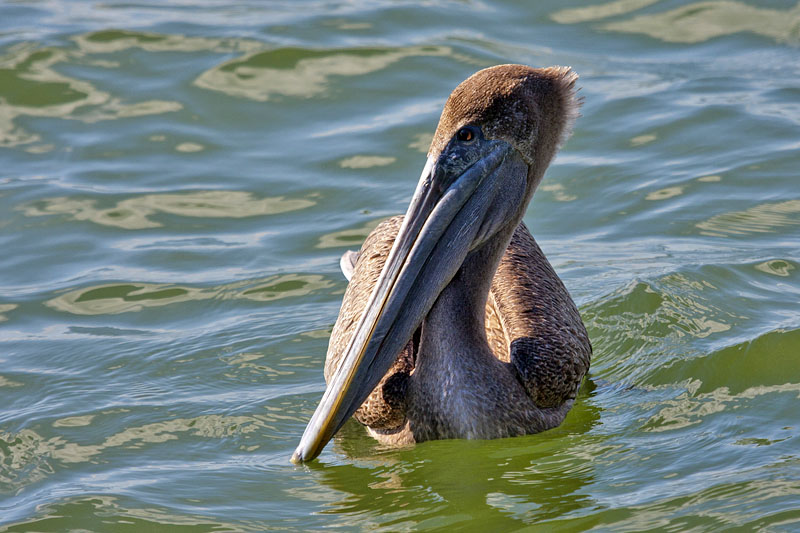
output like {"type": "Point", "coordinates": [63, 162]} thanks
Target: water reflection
{"type": "Point", "coordinates": [691, 23]}
{"type": "Point", "coordinates": [117, 40]}
{"type": "Point", "coordinates": [733, 370]}
{"type": "Point", "coordinates": [689, 409]}
{"type": "Point", "coordinates": [664, 194]}
{"type": "Point", "coordinates": [115, 298]}
{"type": "Point", "coordinates": [5, 308]}
{"type": "Point", "coordinates": [24, 460]}
{"type": "Point", "coordinates": [661, 313]}
{"type": "Point", "coordinates": [501, 484]}
{"type": "Point", "coordinates": [73, 421]}
{"type": "Point", "coordinates": [302, 73]}
{"type": "Point", "coordinates": [559, 192]}
{"type": "Point", "coordinates": [352, 237]}
{"type": "Point", "coordinates": [366, 161]}
{"type": "Point", "coordinates": [777, 267]}
{"type": "Point", "coordinates": [599, 11]}
{"type": "Point", "coordinates": [674, 305]}
{"type": "Point", "coordinates": [30, 86]}
{"type": "Point", "coordinates": [28, 451]}
{"type": "Point", "coordinates": [135, 213]}
{"type": "Point", "coordinates": [643, 139]}
{"type": "Point", "coordinates": [286, 286]}
{"type": "Point", "coordinates": [764, 218]}
{"type": "Point", "coordinates": [9, 383]}
{"type": "Point", "coordinates": [700, 21]}
{"type": "Point", "coordinates": [100, 512]}
{"type": "Point", "coordinates": [189, 147]}
{"type": "Point", "coordinates": [422, 142]}
{"type": "Point", "coordinates": [109, 299]}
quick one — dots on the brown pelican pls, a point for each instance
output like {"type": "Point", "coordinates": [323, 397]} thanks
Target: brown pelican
{"type": "Point", "coordinates": [454, 324]}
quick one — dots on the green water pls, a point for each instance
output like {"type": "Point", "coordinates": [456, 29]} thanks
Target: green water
{"type": "Point", "coordinates": [178, 181]}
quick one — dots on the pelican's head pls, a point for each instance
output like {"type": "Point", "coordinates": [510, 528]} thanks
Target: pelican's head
{"type": "Point", "coordinates": [527, 111]}
{"type": "Point", "coordinates": [499, 130]}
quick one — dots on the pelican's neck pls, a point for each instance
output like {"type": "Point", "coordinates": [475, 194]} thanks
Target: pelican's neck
{"type": "Point", "coordinates": [460, 308]}
{"type": "Point", "coordinates": [458, 384]}
{"type": "Point", "coordinates": [459, 311]}
{"type": "Point", "coordinates": [461, 305]}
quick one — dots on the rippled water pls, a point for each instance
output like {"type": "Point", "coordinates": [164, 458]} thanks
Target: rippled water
{"type": "Point", "coordinates": [178, 181]}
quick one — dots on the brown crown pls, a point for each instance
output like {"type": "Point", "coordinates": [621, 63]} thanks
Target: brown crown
{"type": "Point", "coordinates": [532, 108]}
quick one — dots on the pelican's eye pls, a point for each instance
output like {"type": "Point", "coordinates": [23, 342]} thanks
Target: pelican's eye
{"type": "Point", "coordinates": [466, 134]}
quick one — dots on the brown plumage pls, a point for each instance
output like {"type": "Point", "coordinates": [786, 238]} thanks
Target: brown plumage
{"type": "Point", "coordinates": [531, 324]}
{"type": "Point", "coordinates": [454, 324]}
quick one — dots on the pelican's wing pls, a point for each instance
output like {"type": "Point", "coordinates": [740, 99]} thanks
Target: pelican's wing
{"type": "Point", "coordinates": [546, 340]}
{"type": "Point", "coordinates": [348, 263]}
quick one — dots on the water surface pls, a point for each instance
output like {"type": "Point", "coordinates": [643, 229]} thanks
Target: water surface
{"type": "Point", "coordinates": [178, 181]}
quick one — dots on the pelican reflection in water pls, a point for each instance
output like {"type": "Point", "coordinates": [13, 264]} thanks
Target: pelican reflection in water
{"type": "Point", "coordinates": [454, 324]}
